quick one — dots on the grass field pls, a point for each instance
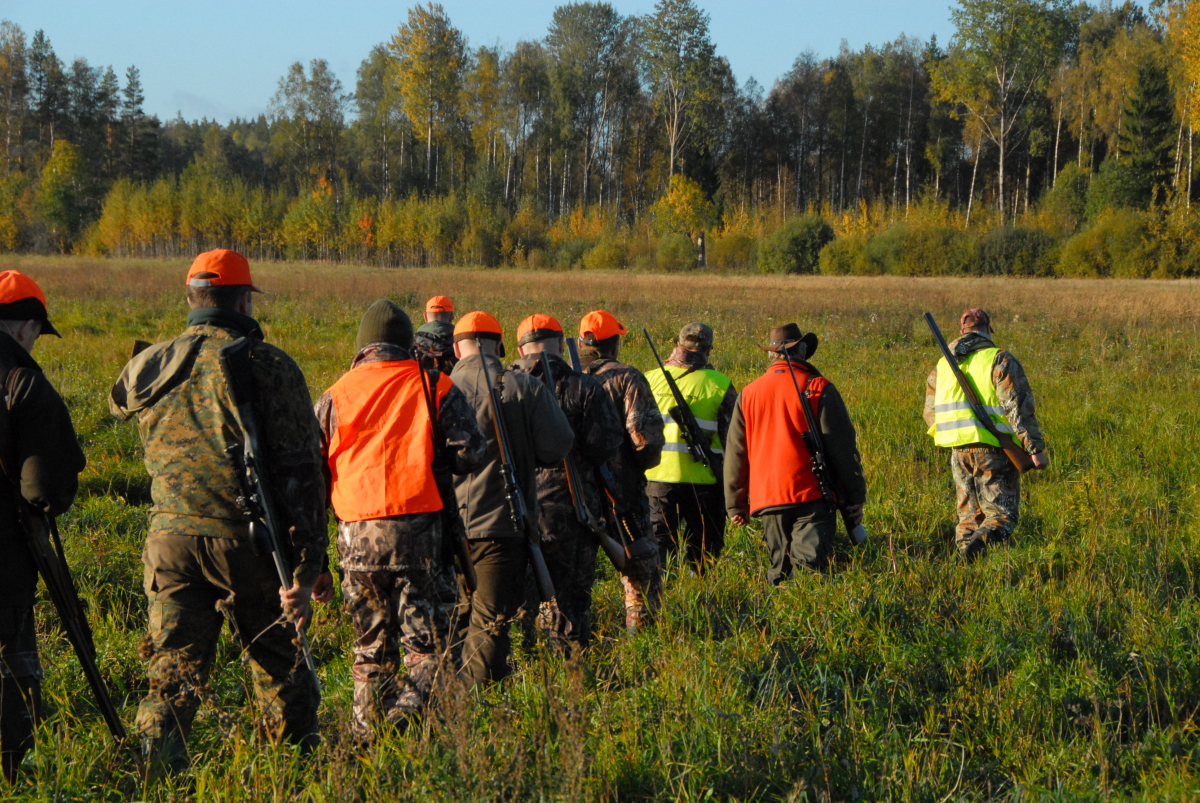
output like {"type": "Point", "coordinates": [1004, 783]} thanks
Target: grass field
{"type": "Point", "coordinates": [1065, 667]}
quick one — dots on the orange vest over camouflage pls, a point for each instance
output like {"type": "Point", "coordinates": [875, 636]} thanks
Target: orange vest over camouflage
{"type": "Point", "coordinates": [381, 451]}
{"type": "Point", "coordinates": [780, 466]}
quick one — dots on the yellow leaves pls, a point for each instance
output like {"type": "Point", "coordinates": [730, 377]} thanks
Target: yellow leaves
{"type": "Point", "coordinates": [683, 208]}
{"type": "Point", "coordinates": [428, 56]}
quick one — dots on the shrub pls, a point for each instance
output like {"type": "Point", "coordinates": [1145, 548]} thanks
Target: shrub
{"type": "Point", "coordinates": [736, 249]}
{"type": "Point", "coordinates": [908, 250]}
{"type": "Point", "coordinates": [1017, 252]}
{"type": "Point", "coordinates": [1119, 244]}
{"type": "Point", "coordinates": [608, 254]}
{"type": "Point", "coordinates": [675, 252]}
{"type": "Point", "coordinates": [1062, 207]}
{"type": "Point", "coordinates": [841, 256]}
{"type": "Point", "coordinates": [640, 253]}
{"type": "Point", "coordinates": [795, 247]}
{"type": "Point", "coordinates": [569, 253]}
{"type": "Point", "coordinates": [1118, 185]}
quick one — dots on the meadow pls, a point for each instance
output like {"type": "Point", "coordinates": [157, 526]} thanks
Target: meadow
{"type": "Point", "coordinates": [1062, 668]}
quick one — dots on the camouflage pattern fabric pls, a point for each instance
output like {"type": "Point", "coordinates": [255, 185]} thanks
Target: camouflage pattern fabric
{"type": "Point", "coordinates": [1012, 386]}
{"type": "Point", "coordinates": [433, 345]}
{"type": "Point", "coordinates": [570, 550]}
{"type": "Point", "coordinates": [640, 450]}
{"type": "Point", "coordinates": [393, 608]}
{"type": "Point", "coordinates": [193, 486]}
{"type": "Point", "coordinates": [988, 487]}
{"type": "Point", "coordinates": [194, 584]}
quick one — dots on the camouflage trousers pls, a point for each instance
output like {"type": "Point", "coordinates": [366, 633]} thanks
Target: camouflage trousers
{"type": "Point", "coordinates": [193, 585]}
{"type": "Point", "coordinates": [570, 553]}
{"type": "Point", "coordinates": [393, 608]}
{"type": "Point", "coordinates": [988, 487]}
{"type": "Point", "coordinates": [642, 577]}
{"type": "Point", "coordinates": [20, 687]}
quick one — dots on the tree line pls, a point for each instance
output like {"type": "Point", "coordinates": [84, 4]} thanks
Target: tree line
{"type": "Point", "coordinates": [601, 129]}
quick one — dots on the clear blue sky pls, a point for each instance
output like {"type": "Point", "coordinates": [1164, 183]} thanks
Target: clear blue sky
{"type": "Point", "coordinates": [221, 59]}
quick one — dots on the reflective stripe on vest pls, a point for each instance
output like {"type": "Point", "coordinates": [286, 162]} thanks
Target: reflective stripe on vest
{"type": "Point", "coordinates": [381, 451]}
{"type": "Point", "coordinates": [704, 390]}
{"type": "Point", "coordinates": [954, 421]}
{"type": "Point", "coordinates": [780, 465]}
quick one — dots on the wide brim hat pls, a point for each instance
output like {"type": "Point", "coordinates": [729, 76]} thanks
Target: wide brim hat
{"type": "Point", "coordinates": [788, 335]}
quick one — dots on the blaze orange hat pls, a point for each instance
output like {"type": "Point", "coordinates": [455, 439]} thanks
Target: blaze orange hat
{"type": "Point", "coordinates": [439, 304]}
{"type": "Point", "coordinates": [220, 268]}
{"type": "Point", "coordinates": [22, 300]}
{"type": "Point", "coordinates": [538, 327]}
{"type": "Point", "coordinates": [599, 325]}
{"type": "Point", "coordinates": [475, 325]}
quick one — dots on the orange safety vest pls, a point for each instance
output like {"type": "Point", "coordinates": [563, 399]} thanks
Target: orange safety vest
{"type": "Point", "coordinates": [780, 465]}
{"type": "Point", "coordinates": [381, 451]}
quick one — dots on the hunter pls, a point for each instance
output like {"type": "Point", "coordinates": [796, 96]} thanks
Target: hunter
{"type": "Point", "coordinates": [988, 485]}
{"type": "Point", "coordinates": [398, 578]}
{"type": "Point", "coordinates": [434, 340]}
{"type": "Point", "coordinates": [41, 461]}
{"type": "Point", "coordinates": [201, 564]}
{"type": "Point", "coordinates": [539, 435]}
{"type": "Point", "coordinates": [687, 500]}
{"type": "Point", "coordinates": [641, 449]}
{"type": "Point", "coordinates": [569, 548]}
{"type": "Point", "coordinates": [768, 465]}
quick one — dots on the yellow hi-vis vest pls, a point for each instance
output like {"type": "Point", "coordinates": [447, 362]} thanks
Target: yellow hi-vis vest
{"type": "Point", "coordinates": [704, 390]}
{"type": "Point", "coordinates": [954, 422]}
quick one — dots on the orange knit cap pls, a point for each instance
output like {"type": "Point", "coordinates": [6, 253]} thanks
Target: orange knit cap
{"type": "Point", "coordinates": [476, 325]}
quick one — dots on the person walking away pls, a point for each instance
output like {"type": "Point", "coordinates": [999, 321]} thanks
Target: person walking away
{"type": "Point", "coordinates": [539, 435]}
{"type": "Point", "coordinates": [768, 466]}
{"type": "Point", "coordinates": [569, 548]}
{"type": "Point", "coordinates": [600, 336]}
{"type": "Point", "coordinates": [687, 500]}
{"type": "Point", "coordinates": [398, 578]}
{"type": "Point", "coordinates": [201, 564]}
{"type": "Point", "coordinates": [434, 340]}
{"type": "Point", "coordinates": [41, 461]}
{"type": "Point", "coordinates": [987, 484]}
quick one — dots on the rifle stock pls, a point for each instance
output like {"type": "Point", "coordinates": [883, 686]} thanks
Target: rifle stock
{"type": "Point", "coordinates": [512, 490]}
{"type": "Point", "coordinates": [615, 552]}
{"type": "Point", "coordinates": [256, 489]}
{"type": "Point", "coordinates": [1019, 457]}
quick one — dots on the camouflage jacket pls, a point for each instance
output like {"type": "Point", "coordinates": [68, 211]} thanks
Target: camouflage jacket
{"type": "Point", "coordinates": [186, 420]}
{"type": "Point", "coordinates": [1012, 386]}
{"type": "Point", "coordinates": [413, 540]}
{"type": "Point", "coordinates": [41, 461]}
{"type": "Point", "coordinates": [597, 427]}
{"type": "Point", "coordinates": [698, 361]}
{"type": "Point", "coordinates": [643, 443]}
{"type": "Point", "coordinates": [433, 344]}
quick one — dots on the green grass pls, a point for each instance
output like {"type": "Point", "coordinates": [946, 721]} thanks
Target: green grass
{"type": "Point", "coordinates": [1062, 668]}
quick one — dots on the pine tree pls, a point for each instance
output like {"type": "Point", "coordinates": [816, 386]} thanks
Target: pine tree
{"type": "Point", "coordinates": [1148, 125]}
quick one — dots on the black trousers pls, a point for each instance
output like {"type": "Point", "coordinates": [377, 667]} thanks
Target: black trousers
{"type": "Point", "coordinates": [483, 620]}
{"type": "Point", "coordinates": [689, 517]}
{"type": "Point", "coordinates": [20, 687]}
{"type": "Point", "coordinates": [801, 535]}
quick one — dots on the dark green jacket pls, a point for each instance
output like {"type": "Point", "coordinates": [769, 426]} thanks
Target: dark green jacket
{"type": "Point", "coordinates": [186, 419]}
{"type": "Point", "coordinates": [44, 458]}
{"type": "Point", "coordinates": [539, 436]}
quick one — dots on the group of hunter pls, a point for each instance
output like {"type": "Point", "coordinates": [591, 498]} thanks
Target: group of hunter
{"type": "Point", "coordinates": [425, 450]}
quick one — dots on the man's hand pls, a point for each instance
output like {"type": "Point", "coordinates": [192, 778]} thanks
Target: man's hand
{"type": "Point", "coordinates": [854, 515]}
{"type": "Point", "coordinates": [323, 590]}
{"type": "Point", "coordinates": [297, 604]}
{"type": "Point", "coordinates": [1040, 460]}
{"type": "Point", "coordinates": [739, 519]}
